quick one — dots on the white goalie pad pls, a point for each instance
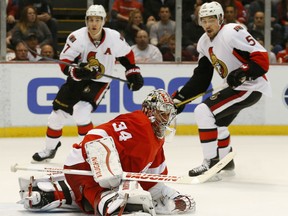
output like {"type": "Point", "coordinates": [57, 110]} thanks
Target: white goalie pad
{"type": "Point", "coordinates": [37, 194]}
{"type": "Point", "coordinates": [104, 161]}
{"type": "Point", "coordinates": [130, 198]}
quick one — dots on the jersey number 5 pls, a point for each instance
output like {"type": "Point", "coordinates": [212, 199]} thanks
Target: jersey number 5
{"type": "Point", "coordinates": [121, 127]}
{"type": "Point", "coordinates": [250, 40]}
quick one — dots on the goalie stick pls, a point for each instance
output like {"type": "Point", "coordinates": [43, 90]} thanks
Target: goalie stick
{"type": "Point", "coordinates": [139, 176]}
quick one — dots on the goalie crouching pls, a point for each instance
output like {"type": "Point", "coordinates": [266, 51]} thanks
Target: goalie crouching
{"type": "Point", "coordinates": [132, 142]}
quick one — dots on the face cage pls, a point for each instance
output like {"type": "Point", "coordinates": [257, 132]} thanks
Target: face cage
{"type": "Point", "coordinates": [161, 120]}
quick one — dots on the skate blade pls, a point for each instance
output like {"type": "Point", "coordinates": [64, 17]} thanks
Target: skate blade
{"type": "Point", "coordinates": [222, 174]}
{"type": "Point", "coordinates": [215, 178]}
{"type": "Point", "coordinates": [40, 162]}
{"type": "Point", "coordinates": [227, 173]}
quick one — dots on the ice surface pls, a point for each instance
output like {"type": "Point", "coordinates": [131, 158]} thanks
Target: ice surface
{"type": "Point", "coordinates": [260, 187]}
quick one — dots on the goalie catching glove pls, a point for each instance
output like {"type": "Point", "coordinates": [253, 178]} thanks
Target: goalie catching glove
{"type": "Point", "coordinates": [135, 79]}
{"type": "Point", "coordinates": [84, 72]}
{"type": "Point", "coordinates": [104, 162]}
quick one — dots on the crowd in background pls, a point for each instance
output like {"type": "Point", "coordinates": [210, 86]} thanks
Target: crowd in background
{"type": "Point", "coordinates": [147, 25]}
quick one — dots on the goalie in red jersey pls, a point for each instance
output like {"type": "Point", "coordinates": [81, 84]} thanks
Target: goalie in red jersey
{"type": "Point", "coordinates": [131, 142]}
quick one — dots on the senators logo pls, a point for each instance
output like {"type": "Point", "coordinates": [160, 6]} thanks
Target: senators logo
{"type": "Point", "coordinates": [94, 63]}
{"type": "Point", "coordinates": [218, 65]}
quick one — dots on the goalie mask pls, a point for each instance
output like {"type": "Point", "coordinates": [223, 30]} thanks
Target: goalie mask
{"type": "Point", "coordinates": [159, 108]}
{"type": "Point", "coordinates": [211, 9]}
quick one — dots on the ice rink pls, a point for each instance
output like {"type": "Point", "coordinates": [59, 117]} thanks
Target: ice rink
{"type": "Point", "coordinates": [259, 188]}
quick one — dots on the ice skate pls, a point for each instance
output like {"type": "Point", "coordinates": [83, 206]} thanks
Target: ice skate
{"type": "Point", "coordinates": [46, 155]}
{"type": "Point", "coordinates": [228, 170]}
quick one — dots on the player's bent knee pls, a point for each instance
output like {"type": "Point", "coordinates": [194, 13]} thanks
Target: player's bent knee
{"type": "Point", "coordinates": [203, 115]}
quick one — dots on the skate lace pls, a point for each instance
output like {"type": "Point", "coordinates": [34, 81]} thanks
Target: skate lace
{"type": "Point", "coordinates": [203, 167]}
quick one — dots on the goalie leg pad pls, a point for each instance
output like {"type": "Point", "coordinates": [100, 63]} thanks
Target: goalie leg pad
{"type": "Point", "coordinates": [130, 199]}
{"type": "Point", "coordinates": [104, 161]}
{"type": "Point", "coordinates": [45, 193]}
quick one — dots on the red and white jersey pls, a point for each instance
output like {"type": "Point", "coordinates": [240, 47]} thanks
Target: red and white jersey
{"type": "Point", "coordinates": [138, 147]}
{"type": "Point", "coordinates": [230, 49]}
{"type": "Point", "coordinates": [79, 45]}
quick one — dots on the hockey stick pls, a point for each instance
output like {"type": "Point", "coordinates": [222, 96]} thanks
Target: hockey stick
{"type": "Point", "coordinates": [146, 177]}
{"type": "Point", "coordinates": [68, 64]}
{"type": "Point", "coordinates": [201, 94]}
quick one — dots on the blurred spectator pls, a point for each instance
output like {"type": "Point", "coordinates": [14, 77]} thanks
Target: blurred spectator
{"type": "Point", "coordinates": [28, 23]}
{"type": "Point", "coordinates": [257, 27]}
{"type": "Point", "coordinates": [45, 14]}
{"type": "Point", "coordinates": [282, 56]}
{"type": "Point", "coordinates": [272, 56]}
{"type": "Point", "coordinates": [259, 5]}
{"type": "Point", "coordinates": [152, 8]}
{"type": "Point", "coordinates": [162, 29]}
{"type": "Point", "coordinates": [21, 52]}
{"type": "Point", "coordinates": [192, 32]}
{"type": "Point", "coordinates": [169, 53]}
{"type": "Point", "coordinates": [47, 52]}
{"type": "Point", "coordinates": [120, 13]}
{"type": "Point", "coordinates": [230, 15]}
{"type": "Point", "coordinates": [241, 13]}
{"type": "Point", "coordinates": [32, 43]}
{"type": "Point", "coordinates": [10, 54]}
{"type": "Point", "coordinates": [188, 8]}
{"type": "Point", "coordinates": [12, 13]}
{"type": "Point", "coordinates": [135, 24]}
{"type": "Point", "coordinates": [145, 52]}
{"type": "Point", "coordinates": [282, 11]}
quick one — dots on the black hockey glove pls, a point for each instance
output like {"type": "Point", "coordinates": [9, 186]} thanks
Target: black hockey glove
{"type": "Point", "coordinates": [135, 79]}
{"type": "Point", "coordinates": [237, 77]}
{"type": "Point", "coordinates": [83, 72]}
{"type": "Point", "coordinates": [178, 98]}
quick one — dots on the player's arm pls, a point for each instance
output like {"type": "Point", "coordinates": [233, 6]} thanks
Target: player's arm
{"type": "Point", "coordinates": [71, 55]}
{"type": "Point", "coordinates": [254, 57]}
{"type": "Point", "coordinates": [132, 73]}
{"type": "Point", "coordinates": [198, 83]}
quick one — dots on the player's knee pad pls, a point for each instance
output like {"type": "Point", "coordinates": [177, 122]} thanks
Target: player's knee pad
{"type": "Point", "coordinates": [46, 193]}
{"type": "Point", "coordinates": [82, 113]}
{"type": "Point", "coordinates": [57, 119]}
{"type": "Point", "coordinates": [104, 161]}
{"type": "Point", "coordinates": [204, 117]}
{"type": "Point", "coordinates": [129, 198]}
{"type": "Point", "coordinates": [223, 132]}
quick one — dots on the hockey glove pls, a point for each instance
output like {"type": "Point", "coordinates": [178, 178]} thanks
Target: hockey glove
{"type": "Point", "coordinates": [238, 77]}
{"type": "Point", "coordinates": [178, 98]}
{"type": "Point", "coordinates": [135, 79]}
{"type": "Point", "coordinates": [83, 72]}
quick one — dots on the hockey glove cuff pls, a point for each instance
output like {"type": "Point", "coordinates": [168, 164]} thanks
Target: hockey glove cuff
{"type": "Point", "coordinates": [178, 98]}
{"type": "Point", "coordinates": [135, 79]}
